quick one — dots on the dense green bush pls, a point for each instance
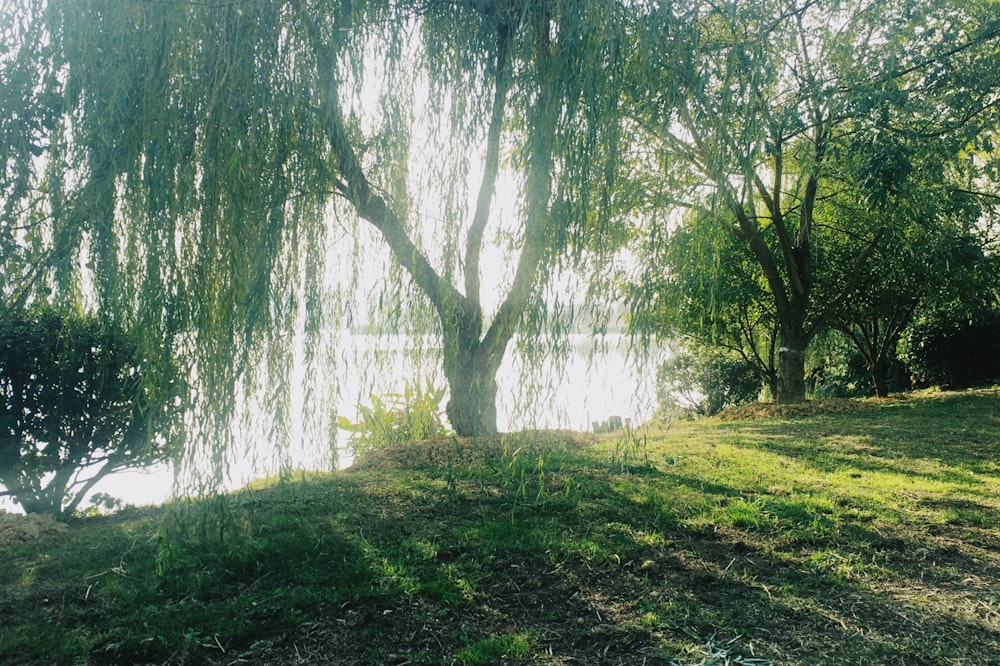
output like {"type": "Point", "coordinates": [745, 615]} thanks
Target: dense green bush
{"type": "Point", "coordinates": [956, 350]}
{"type": "Point", "coordinates": [705, 381]}
{"type": "Point", "coordinates": [74, 407]}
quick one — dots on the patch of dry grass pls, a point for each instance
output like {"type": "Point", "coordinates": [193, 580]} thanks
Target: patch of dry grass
{"type": "Point", "coordinates": [16, 528]}
{"type": "Point", "coordinates": [770, 410]}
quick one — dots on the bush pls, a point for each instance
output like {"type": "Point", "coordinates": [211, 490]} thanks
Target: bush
{"type": "Point", "coordinates": [705, 381]}
{"type": "Point", "coordinates": [396, 418]}
{"type": "Point", "coordinates": [953, 350]}
{"type": "Point", "coordinates": [72, 402]}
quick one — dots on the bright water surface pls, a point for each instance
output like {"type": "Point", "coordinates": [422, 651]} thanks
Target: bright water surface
{"type": "Point", "coordinates": [597, 381]}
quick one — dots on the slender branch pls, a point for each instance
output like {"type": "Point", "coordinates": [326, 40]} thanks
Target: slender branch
{"type": "Point", "coordinates": [779, 167]}
{"type": "Point", "coordinates": [983, 195]}
{"type": "Point", "coordinates": [978, 40]}
{"type": "Point", "coordinates": [544, 113]}
{"type": "Point", "coordinates": [78, 495]}
{"type": "Point", "coordinates": [474, 241]}
{"type": "Point", "coordinates": [355, 188]}
{"type": "Point", "coordinates": [764, 194]}
{"type": "Point", "coordinates": [765, 258]}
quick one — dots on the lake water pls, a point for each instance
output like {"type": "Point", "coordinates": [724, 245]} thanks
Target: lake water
{"type": "Point", "coordinates": [596, 380]}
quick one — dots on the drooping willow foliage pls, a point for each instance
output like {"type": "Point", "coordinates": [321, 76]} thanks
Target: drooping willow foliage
{"type": "Point", "coordinates": [223, 177]}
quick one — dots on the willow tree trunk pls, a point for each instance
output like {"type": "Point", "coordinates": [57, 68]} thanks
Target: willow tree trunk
{"type": "Point", "coordinates": [472, 381]}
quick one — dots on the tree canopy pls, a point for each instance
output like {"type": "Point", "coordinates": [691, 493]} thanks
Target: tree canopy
{"type": "Point", "coordinates": [789, 123]}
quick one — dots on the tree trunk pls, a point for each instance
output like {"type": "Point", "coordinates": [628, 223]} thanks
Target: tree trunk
{"type": "Point", "coordinates": [472, 380]}
{"type": "Point", "coordinates": [772, 386]}
{"type": "Point", "coordinates": [36, 499]}
{"type": "Point", "coordinates": [792, 359]}
{"type": "Point", "coordinates": [880, 371]}
{"type": "Point", "coordinates": [472, 408]}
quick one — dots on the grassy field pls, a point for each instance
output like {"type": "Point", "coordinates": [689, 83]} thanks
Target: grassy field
{"type": "Point", "coordinates": [847, 533]}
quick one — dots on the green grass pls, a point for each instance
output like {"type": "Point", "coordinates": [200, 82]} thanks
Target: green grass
{"type": "Point", "coordinates": [866, 536]}
{"type": "Point", "coordinates": [515, 648]}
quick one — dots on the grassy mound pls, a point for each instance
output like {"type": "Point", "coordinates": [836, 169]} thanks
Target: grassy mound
{"type": "Point", "coordinates": [441, 452]}
{"type": "Point", "coordinates": [864, 536]}
{"type": "Point", "coordinates": [770, 410]}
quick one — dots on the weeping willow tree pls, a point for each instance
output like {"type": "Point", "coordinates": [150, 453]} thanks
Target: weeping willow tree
{"type": "Point", "coordinates": [186, 168]}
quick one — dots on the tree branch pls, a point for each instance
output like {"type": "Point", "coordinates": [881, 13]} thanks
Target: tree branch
{"type": "Point", "coordinates": [487, 189]}
{"type": "Point", "coordinates": [78, 495]}
{"type": "Point", "coordinates": [765, 258]}
{"type": "Point", "coordinates": [544, 113]}
{"type": "Point", "coordinates": [354, 187]}
{"type": "Point", "coordinates": [983, 195]}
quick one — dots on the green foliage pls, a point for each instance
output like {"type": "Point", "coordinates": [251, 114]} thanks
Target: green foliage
{"type": "Point", "coordinates": [705, 380]}
{"type": "Point", "coordinates": [835, 368]}
{"type": "Point", "coordinates": [704, 284]}
{"type": "Point", "coordinates": [233, 174]}
{"type": "Point", "coordinates": [396, 418]}
{"type": "Point", "coordinates": [803, 150]}
{"type": "Point", "coordinates": [497, 649]}
{"type": "Point", "coordinates": [952, 338]}
{"type": "Point", "coordinates": [632, 449]}
{"type": "Point", "coordinates": [73, 400]}
{"type": "Point", "coordinates": [953, 349]}
{"type": "Point", "coordinates": [520, 470]}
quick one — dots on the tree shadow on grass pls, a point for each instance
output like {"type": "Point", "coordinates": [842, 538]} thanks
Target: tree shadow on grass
{"type": "Point", "coordinates": [855, 597]}
{"type": "Point", "coordinates": [385, 568]}
{"type": "Point", "coordinates": [830, 454]}
{"type": "Point", "coordinates": [606, 588]}
{"type": "Point", "coordinates": [957, 432]}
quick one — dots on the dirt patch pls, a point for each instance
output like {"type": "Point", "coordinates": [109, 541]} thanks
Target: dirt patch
{"type": "Point", "coordinates": [442, 451]}
{"type": "Point", "coordinates": [16, 528]}
{"type": "Point", "coordinates": [770, 410]}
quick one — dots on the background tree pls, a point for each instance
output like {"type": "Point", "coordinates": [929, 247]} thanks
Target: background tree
{"type": "Point", "coordinates": [952, 339]}
{"type": "Point", "coordinates": [73, 409]}
{"type": "Point", "coordinates": [705, 380]}
{"type": "Point", "coordinates": [905, 274]}
{"type": "Point", "coordinates": [708, 290]}
{"type": "Point", "coordinates": [763, 98]}
{"type": "Point", "coordinates": [906, 193]}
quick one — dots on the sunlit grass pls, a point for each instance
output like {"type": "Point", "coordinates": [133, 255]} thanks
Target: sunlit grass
{"type": "Point", "coordinates": [868, 537]}
{"type": "Point", "coordinates": [512, 647]}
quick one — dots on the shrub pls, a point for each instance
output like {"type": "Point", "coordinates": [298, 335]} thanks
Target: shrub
{"type": "Point", "coordinates": [73, 402]}
{"type": "Point", "coordinates": [953, 351]}
{"type": "Point", "coordinates": [705, 381]}
{"type": "Point", "coordinates": [396, 418]}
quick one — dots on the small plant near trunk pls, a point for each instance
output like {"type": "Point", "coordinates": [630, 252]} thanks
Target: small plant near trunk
{"type": "Point", "coordinates": [396, 418]}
